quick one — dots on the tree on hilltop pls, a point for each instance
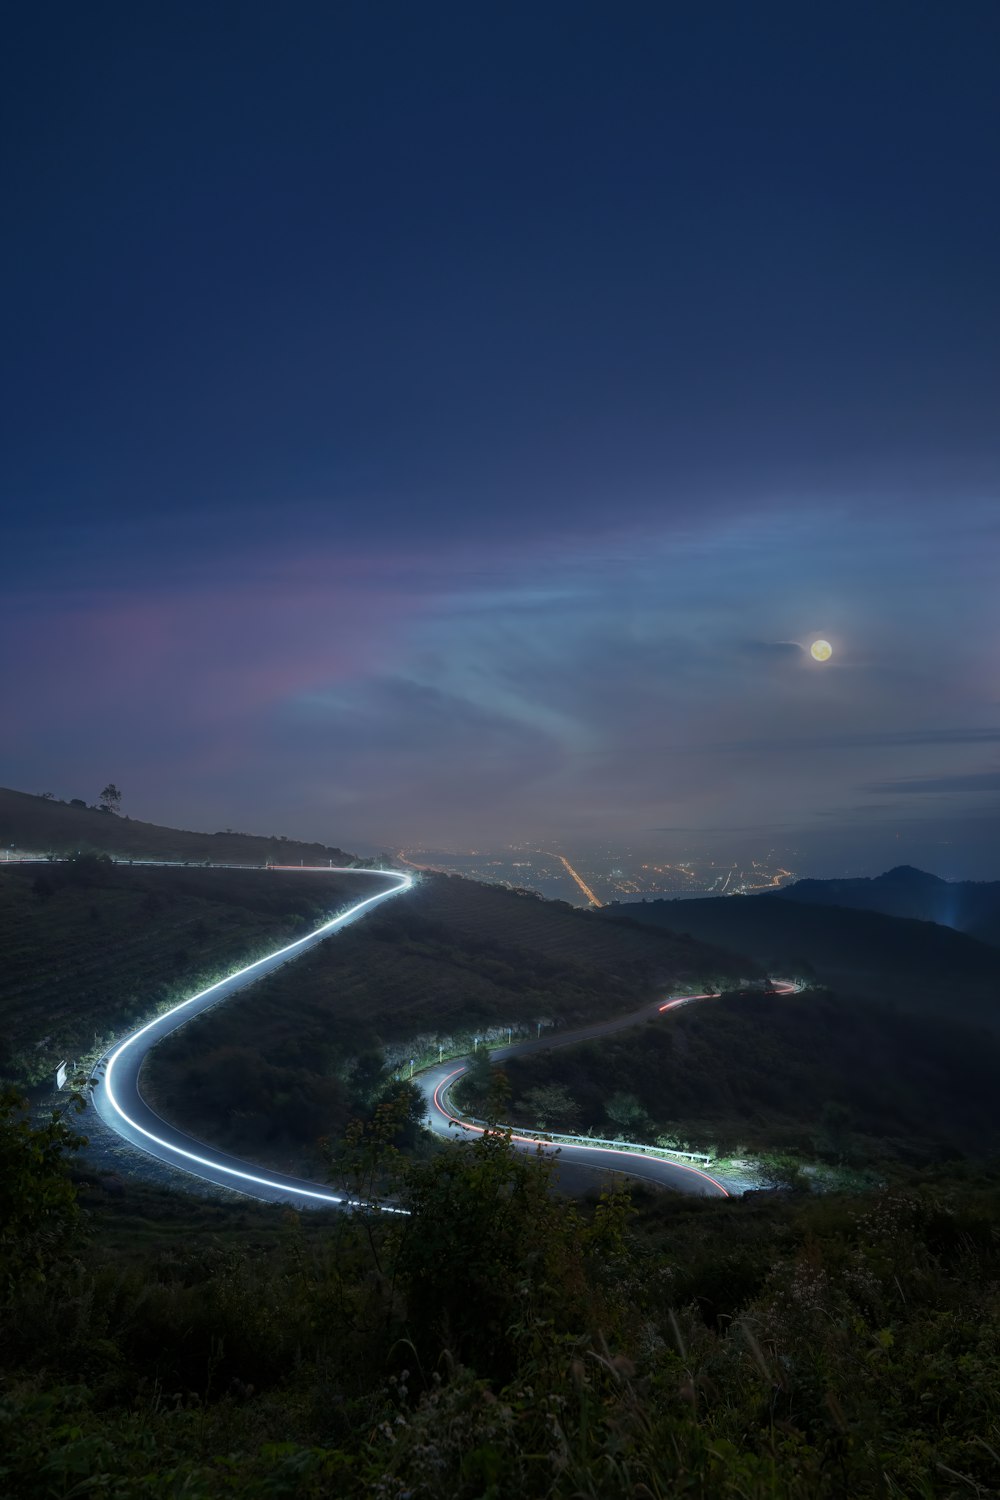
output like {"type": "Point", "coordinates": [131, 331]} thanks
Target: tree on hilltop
{"type": "Point", "coordinates": [111, 799]}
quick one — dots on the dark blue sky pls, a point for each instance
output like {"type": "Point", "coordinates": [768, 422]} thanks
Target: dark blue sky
{"type": "Point", "coordinates": [450, 422]}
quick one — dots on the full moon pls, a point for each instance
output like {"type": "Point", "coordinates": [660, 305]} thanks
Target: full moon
{"type": "Point", "coordinates": [821, 650]}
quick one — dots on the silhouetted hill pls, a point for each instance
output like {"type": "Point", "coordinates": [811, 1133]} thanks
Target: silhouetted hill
{"type": "Point", "coordinates": [38, 825]}
{"type": "Point", "coordinates": [969, 906]}
{"type": "Point", "coordinates": [919, 965]}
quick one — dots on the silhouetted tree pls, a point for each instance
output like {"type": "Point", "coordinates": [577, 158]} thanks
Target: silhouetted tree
{"type": "Point", "coordinates": [111, 799]}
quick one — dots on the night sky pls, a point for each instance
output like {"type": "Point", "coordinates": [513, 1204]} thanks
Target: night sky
{"type": "Point", "coordinates": [453, 422]}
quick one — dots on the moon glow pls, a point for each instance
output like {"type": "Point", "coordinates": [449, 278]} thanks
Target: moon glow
{"type": "Point", "coordinates": [821, 650]}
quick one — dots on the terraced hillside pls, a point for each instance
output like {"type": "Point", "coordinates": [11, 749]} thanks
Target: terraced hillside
{"type": "Point", "coordinates": [90, 947]}
{"type": "Point", "coordinates": [483, 915]}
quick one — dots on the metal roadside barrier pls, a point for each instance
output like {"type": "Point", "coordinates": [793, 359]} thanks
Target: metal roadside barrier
{"type": "Point", "coordinates": [555, 1139]}
{"type": "Point", "coordinates": [593, 1140]}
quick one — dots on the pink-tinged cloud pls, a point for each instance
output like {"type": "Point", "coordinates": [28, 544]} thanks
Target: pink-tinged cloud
{"type": "Point", "coordinates": [204, 656]}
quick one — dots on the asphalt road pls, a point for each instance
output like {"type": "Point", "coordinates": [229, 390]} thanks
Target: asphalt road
{"type": "Point", "coordinates": [578, 1166]}
{"type": "Point", "coordinates": [118, 1100]}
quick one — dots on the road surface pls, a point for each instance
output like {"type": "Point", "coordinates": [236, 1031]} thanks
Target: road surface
{"type": "Point", "coordinates": [118, 1100]}
{"type": "Point", "coordinates": [577, 1163]}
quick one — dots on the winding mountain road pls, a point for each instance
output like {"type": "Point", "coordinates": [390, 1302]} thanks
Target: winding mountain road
{"type": "Point", "coordinates": [118, 1100]}
{"type": "Point", "coordinates": [578, 1157]}
{"type": "Point", "coordinates": [117, 1097]}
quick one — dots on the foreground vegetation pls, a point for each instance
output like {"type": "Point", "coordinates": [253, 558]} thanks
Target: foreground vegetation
{"type": "Point", "coordinates": [498, 1343]}
{"type": "Point", "coordinates": [850, 1081]}
{"type": "Point", "coordinates": [90, 947]}
{"type": "Point", "coordinates": [306, 1049]}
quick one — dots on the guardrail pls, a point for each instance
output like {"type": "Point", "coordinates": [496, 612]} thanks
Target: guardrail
{"type": "Point", "coordinates": [593, 1140]}
{"type": "Point", "coordinates": [556, 1138]}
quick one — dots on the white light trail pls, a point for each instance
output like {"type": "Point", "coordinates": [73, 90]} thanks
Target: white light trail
{"type": "Point", "coordinates": [261, 966]}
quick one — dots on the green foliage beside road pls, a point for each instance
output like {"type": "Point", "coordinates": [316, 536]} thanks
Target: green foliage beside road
{"type": "Point", "coordinates": [503, 1343]}
{"type": "Point", "coordinates": [500, 1343]}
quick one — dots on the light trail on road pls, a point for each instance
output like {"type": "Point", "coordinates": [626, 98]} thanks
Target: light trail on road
{"type": "Point", "coordinates": [585, 1154]}
{"type": "Point", "coordinates": [780, 987]}
{"type": "Point", "coordinates": [119, 1102]}
{"type": "Point", "coordinates": [435, 1083]}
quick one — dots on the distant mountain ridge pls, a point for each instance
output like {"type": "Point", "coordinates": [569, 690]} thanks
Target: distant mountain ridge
{"type": "Point", "coordinates": [968, 906]}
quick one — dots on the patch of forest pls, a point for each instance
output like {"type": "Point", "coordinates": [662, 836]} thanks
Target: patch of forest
{"type": "Point", "coordinates": [812, 1074]}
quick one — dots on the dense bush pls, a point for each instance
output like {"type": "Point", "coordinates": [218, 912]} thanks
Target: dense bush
{"type": "Point", "coordinates": [501, 1343]}
{"type": "Point", "coordinates": [39, 1215]}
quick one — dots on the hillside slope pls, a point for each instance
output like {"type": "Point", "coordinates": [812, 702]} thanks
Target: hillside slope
{"type": "Point", "coordinates": [39, 826]}
{"type": "Point", "coordinates": [810, 1073]}
{"type": "Point", "coordinates": [917, 965]}
{"type": "Point", "coordinates": [90, 947]}
{"type": "Point", "coordinates": [451, 961]}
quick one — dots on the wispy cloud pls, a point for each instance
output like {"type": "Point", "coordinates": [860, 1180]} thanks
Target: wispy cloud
{"type": "Point", "coordinates": [973, 781]}
{"type": "Point", "coordinates": [773, 648]}
{"type": "Point", "coordinates": [659, 685]}
{"type": "Point", "coordinates": [880, 739]}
